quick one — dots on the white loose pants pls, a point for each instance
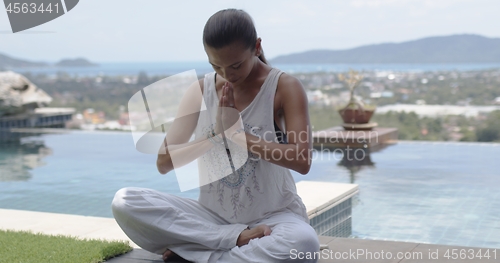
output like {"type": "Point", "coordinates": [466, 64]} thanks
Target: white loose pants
{"type": "Point", "coordinates": [158, 221]}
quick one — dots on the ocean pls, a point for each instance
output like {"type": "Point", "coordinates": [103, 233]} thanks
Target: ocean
{"type": "Point", "coordinates": [203, 67]}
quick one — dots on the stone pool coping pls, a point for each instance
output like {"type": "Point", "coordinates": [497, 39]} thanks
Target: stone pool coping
{"type": "Point", "coordinates": [62, 224]}
{"type": "Point", "coordinates": [108, 229]}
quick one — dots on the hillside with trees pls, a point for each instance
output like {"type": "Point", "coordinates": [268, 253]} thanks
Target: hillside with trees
{"type": "Point", "coordinates": [440, 49]}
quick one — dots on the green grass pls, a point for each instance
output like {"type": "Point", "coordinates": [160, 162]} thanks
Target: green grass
{"type": "Point", "coordinates": [26, 247]}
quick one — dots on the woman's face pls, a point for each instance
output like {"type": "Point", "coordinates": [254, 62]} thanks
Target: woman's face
{"type": "Point", "coordinates": [233, 62]}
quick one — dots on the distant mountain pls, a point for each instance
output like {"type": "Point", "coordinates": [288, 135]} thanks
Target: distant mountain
{"type": "Point", "coordinates": [444, 49]}
{"type": "Point", "coordinates": [6, 62]}
{"type": "Point", "coordinates": [10, 62]}
{"type": "Point", "coordinates": [77, 62]}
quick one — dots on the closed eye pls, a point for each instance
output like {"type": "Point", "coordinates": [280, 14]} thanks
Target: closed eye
{"type": "Point", "coordinates": [237, 67]}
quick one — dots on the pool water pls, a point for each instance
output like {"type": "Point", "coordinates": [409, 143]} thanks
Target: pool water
{"type": "Point", "coordinates": [440, 193]}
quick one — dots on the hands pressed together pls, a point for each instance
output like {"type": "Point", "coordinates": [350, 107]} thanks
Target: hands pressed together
{"type": "Point", "coordinates": [227, 114]}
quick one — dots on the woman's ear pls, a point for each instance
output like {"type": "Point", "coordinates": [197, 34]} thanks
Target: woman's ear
{"type": "Point", "coordinates": [258, 47]}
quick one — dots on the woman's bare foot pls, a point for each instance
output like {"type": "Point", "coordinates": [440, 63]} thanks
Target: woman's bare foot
{"type": "Point", "coordinates": [249, 234]}
{"type": "Point", "coordinates": [169, 255]}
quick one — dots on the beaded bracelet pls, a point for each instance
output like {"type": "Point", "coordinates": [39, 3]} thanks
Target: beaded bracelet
{"type": "Point", "coordinates": [212, 137]}
{"type": "Point", "coordinates": [211, 140]}
{"type": "Point", "coordinates": [218, 140]}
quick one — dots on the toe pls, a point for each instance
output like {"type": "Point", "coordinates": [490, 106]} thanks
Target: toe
{"type": "Point", "coordinates": [166, 255]}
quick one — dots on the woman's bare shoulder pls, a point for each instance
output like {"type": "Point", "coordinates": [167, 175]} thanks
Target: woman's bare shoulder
{"type": "Point", "coordinates": [289, 85]}
{"type": "Point", "coordinates": [288, 79]}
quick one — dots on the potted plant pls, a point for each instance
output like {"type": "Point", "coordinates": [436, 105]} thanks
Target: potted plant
{"type": "Point", "coordinates": [355, 114]}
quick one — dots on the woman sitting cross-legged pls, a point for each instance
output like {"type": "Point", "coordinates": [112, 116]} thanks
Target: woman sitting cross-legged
{"type": "Point", "coordinates": [251, 213]}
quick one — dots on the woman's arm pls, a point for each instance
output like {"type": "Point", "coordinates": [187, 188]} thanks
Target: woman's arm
{"type": "Point", "coordinates": [172, 155]}
{"type": "Point", "coordinates": [175, 143]}
{"type": "Point", "coordinates": [295, 155]}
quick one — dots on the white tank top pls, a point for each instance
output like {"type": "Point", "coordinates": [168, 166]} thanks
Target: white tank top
{"type": "Point", "coordinates": [259, 188]}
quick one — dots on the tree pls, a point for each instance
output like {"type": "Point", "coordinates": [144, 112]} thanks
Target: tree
{"type": "Point", "coordinates": [491, 131]}
{"type": "Point", "coordinates": [143, 79]}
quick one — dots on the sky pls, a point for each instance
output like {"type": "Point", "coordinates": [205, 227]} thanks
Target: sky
{"type": "Point", "coordinates": [165, 30]}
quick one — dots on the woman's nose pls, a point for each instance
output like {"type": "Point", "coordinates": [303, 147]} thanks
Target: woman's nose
{"type": "Point", "coordinates": [228, 74]}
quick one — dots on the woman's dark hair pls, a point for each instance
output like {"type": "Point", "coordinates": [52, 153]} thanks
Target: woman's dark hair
{"type": "Point", "coordinates": [228, 26]}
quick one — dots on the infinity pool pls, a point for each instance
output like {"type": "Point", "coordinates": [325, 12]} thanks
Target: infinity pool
{"type": "Point", "coordinates": [441, 193]}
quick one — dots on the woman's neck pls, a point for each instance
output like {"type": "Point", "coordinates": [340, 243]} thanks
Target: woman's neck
{"type": "Point", "coordinates": [259, 71]}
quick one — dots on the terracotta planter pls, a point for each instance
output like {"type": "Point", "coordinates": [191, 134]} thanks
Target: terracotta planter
{"type": "Point", "coordinates": [356, 116]}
